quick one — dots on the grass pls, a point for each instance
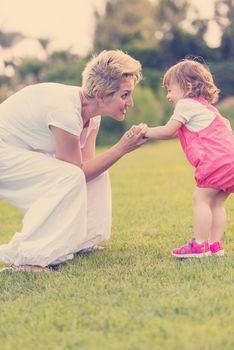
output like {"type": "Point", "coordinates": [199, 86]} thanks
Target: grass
{"type": "Point", "coordinates": [133, 295]}
{"type": "Point", "coordinates": [226, 108]}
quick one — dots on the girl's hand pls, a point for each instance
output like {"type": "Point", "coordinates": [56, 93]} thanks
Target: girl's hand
{"type": "Point", "coordinates": [136, 129]}
{"type": "Point", "coordinates": [133, 138]}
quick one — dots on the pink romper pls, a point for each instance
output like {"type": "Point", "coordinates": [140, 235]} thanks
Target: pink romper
{"type": "Point", "coordinates": [211, 152]}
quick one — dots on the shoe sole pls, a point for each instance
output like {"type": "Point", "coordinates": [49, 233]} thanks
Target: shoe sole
{"type": "Point", "coordinates": [185, 256]}
{"type": "Point", "coordinates": [219, 253]}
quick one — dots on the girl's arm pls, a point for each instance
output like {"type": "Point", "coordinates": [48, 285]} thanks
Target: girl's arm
{"type": "Point", "coordinates": [68, 149]}
{"type": "Point", "coordinates": [166, 132]}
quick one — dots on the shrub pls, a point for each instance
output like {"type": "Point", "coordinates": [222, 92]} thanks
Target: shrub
{"type": "Point", "coordinates": [147, 108]}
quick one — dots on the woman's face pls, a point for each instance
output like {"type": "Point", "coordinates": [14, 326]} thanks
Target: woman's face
{"type": "Point", "coordinates": [116, 105]}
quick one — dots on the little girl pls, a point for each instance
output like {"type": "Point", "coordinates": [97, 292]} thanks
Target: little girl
{"type": "Point", "coordinates": [208, 143]}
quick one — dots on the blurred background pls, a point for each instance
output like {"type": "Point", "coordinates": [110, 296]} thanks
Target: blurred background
{"type": "Point", "coordinates": [51, 40]}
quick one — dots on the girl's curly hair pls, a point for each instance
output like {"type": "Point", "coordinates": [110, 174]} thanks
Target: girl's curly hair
{"type": "Point", "coordinates": [194, 78]}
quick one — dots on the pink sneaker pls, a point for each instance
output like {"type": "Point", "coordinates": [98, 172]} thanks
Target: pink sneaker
{"type": "Point", "coordinates": [217, 249]}
{"type": "Point", "coordinates": [192, 250]}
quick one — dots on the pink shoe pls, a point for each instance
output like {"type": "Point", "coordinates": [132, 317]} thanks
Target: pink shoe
{"type": "Point", "coordinates": [192, 250]}
{"type": "Point", "coordinates": [217, 249]}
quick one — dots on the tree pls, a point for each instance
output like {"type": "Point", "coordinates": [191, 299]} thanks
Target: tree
{"type": "Point", "coordinates": [44, 42]}
{"type": "Point", "coordinates": [30, 70]}
{"type": "Point", "coordinates": [224, 15]}
{"type": "Point", "coordinates": [126, 24]}
{"type": "Point", "coordinates": [170, 14]}
{"type": "Point", "coordinates": [155, 32]}
{"type": "Point", "coordinates": [7, 39]}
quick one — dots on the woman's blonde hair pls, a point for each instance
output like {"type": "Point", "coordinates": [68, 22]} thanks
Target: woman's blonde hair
{"type": "Point", "coordinates": [106, 71]}
{"type": "Point", "coordinates": [194, 78]}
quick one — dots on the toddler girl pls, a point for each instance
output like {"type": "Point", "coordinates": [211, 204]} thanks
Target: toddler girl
{"type": "Point", "coordinates": [208, 143]}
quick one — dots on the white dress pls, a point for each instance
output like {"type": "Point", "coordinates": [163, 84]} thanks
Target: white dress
{"type": "Point", "coordinates": [63, 213]}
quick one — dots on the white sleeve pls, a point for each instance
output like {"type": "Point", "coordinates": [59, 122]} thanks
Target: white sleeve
{"type": "Point", "coordinates": [184, 110]}
{"type": "Point", "coordinates": [67, 120]}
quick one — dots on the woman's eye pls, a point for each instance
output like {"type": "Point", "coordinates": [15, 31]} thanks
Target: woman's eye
{"type": "Point", "coordinates": [124, 96]}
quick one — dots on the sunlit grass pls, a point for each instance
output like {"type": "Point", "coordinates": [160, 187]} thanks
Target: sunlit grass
{"type": "Point", "coordinates": [133, 295]}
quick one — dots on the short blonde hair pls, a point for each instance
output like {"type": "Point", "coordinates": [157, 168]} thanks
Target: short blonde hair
{"type": "Point", "coordinates": [194, 75]}
{"type": "Point", "coordinates": [106, 71]}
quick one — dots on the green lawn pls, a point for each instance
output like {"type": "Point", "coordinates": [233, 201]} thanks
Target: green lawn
{"type": "Point", "coordinates": [133, 295]}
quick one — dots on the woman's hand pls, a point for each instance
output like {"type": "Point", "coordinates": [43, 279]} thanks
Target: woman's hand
{"type": "Point", "coordinates": [68, 149]}
{"type": "Point", "coordinates": [133, 138]}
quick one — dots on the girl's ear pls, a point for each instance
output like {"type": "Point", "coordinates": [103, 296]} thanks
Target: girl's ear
{"type": "Point", "coordinates": [189, 88]}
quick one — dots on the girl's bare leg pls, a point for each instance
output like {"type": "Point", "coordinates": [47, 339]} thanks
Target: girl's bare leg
{"type": "Point", "coordinates": [203, 215]}
{"type": "Point", "coordinates": [218, 217]}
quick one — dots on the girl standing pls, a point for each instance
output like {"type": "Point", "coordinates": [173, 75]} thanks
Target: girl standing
{"type": "Point", "coordinates": [208, 143]}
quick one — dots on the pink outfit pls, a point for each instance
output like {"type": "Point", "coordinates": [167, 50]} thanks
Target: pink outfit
{"type": "Point", "coordinates": [211, 152]}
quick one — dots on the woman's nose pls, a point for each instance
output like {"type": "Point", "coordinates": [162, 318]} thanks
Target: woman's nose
{"type": "Point", "coordinates": [130, 102]}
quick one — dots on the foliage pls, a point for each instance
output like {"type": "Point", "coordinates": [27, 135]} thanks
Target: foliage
{"type": "Point", "coordinates": [228, 112]}
{"type": "Point", "coordinates": [133, 295]}
{"type": "Point", "coordinates": [122, 27]}
{"type": "Point", "coordinates": [64, 73]}
{"type": "Point", "coordinates": [150, 58]}
{"type": "Point", "coordinates": [181, 44]}
{"type": "Point", "coordinates": [4, 79]}
{"type": "Point", "coordinates": [62, 56]}
{"type": "Point", "coordinates": [224, 77]}
{"type": "Point", "coordinates": [147, 108]}
{"type": "Point", "coordinates": [170, 14]}
{"type": "Point", "coordinates": [224, 11]}
{"type": "Point", "coordinates": [61, 67]}
{"type": "Point", "coordinates": [152, 78]}
{"type": "Point", "coordinates": [110, 131]}
{"type": "Point", "coordinates": [153, 27]}
{"type": "Point", "coordinates": [8, 38]}
{"type": "Point", "coordinates": [30, 67]}
{"type": "Point", "coordinates": [4, 90]}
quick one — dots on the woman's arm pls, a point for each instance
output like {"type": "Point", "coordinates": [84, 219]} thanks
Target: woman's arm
{"type": "Point", "coordinates": [165, 132]}
{"type": "Point", "coordinates": [89, 150]}
{"type": "Point", "coordinates": [68, 149]}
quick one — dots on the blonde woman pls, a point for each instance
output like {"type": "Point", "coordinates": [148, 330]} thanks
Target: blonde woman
{"type": "Point", "coordinates": [208, 143]}
{"type": "Point", "coordinates": [66, 197]}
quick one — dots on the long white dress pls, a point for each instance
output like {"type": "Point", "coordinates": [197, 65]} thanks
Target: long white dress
{"type": "Point", "coordinates": [63, 213]}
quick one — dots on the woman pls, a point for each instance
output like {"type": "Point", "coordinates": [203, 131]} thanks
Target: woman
{"type": "Point", "coordinates": [48, 166]}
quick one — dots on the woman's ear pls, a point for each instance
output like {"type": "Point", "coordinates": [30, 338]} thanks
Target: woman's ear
{"type": "Point", "coordinates": [99, 96]}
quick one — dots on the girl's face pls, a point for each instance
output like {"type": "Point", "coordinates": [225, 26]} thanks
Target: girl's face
{"type": "Point", "coordinates": [116, 105]}
{"type": "Point", "coordinates": [174, 93]}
